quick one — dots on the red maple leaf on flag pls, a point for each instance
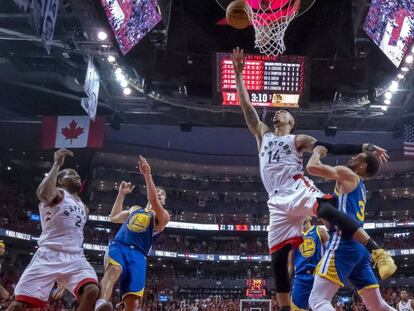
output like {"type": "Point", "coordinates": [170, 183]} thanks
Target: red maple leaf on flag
{"type": "Point", "coordinates": [72, 131]}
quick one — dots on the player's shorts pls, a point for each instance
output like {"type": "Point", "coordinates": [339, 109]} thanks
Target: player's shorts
{"type": "Point", "coordinates": [347, 260]}
{"type": "Point", "coordinates": [49, 266]}
{"type": "Point", "coordinates": [134, 267]}
{"type": "Point", "coordinates": [288, 207]}
{"type": "Point", "coordinates": [302, 287]}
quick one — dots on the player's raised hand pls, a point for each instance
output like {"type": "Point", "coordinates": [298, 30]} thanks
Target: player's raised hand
{"type": "Point", "coordinates": [144, 167]}
{"type": "Point", "coordinates": [381, 154]}
{"type": "Point", "coordinates": [238, 60]}
{"type": "Point", "coordinates": [321, 150]}
{"type": "Point", "coordinates": [125, 188]}
{"type": "Point", "coordinates": [60, 155]}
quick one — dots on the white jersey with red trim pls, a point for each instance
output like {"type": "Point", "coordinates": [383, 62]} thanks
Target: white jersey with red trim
{"type": "Point", "coordinates": [62, 224]}
{"type": "Point", "coordinates": [279, 161]}
{"type": "Point", "coordinates": [405, 306]}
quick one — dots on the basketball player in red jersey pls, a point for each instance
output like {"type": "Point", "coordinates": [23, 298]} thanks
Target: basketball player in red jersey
{"type": "Point", "coordinates": [59, 257]}
{"type": "Point", "coordinates": [292, 196]}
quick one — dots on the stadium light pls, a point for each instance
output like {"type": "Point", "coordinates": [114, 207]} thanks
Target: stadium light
{"type": "Point", "coordinates": [394, 86]}
{"type": "Point", "coordinates": [127, 91]}
{"type": "Point", "coordinates": [124, 83]}
{"type": "Point", "coordinates": [405, 69]}
{"type": "Point", "coordinates": [384, 108]}
{"type": "Point", "coordinates": [111, 58]}
{"type": "Point", "coordinates": [102, 36]}
{"type": "Point", "coordinates": [400, 76]}
{"type": "Point", "coordinates": [387, 102]}
{"type": "Point", "coordinates": [409, 59]}
{"type": "Point", "coordinates": [388, 95]}
{"type": "Point", "coordinates": [120, 77]}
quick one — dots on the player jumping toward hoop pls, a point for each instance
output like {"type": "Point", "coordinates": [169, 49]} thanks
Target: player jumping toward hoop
{"type": "Point", "coordinates": [346, 260]}
{"type": "Point", "coordinates": [292, 196]}
{"type": "Point", "coordinates": [60, 255]}
{"type": "Point", "coordinates": [127, 253]}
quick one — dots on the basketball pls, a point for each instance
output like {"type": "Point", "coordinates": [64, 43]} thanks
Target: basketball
{"type": "Point", "coordinates": [236, 15]}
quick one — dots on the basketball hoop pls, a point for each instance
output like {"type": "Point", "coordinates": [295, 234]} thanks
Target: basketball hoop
{"type": "Point", "coordinates": [270, 19]}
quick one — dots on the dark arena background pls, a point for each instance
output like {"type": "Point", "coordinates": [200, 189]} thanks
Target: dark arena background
{"type": "Point", "coordinates": [114, 79]}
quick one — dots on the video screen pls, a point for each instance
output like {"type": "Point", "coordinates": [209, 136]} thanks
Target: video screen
{"type": "Point", "coordinates": [131, 20]}
{"type": "Point", "coordinates": [390, 24]}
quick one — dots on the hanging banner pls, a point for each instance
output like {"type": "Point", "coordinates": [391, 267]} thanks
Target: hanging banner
{"type": "Point", "coordinates": [91, 87]}
{"type": "Point", "coordinates": [49, 23]}
{"type": "Point", "coordinates": [22, 5]}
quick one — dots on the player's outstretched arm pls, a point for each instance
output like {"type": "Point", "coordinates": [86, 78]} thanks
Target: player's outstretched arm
{"type": "Point", "coordinates": [256, 127]}
{"type": "Point", "coordinates": [118, 215]}
{"type": "Point", "coordinates": [47, 191]}
{"type": "Point", "coordinates": [306, 143]}
{"type": "Point", "coordinates": [323, 234]}
{"type": "Point", "coordinates": [339, 173]}
{"type": "Point", "coordinates": [161, 214]}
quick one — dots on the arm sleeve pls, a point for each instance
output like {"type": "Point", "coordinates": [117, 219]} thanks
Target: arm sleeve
{"type": "Point", "coordinates": [340, 148]}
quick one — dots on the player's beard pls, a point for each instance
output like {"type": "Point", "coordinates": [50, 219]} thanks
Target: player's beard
{"type": "Point", "coordinates": [73, 187]}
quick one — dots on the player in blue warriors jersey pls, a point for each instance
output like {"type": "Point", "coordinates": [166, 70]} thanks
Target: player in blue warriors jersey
{"type": "Point", "coordinates": [305, 259]}
{"type": "Point", "coordinates": [127, 253]}
{"type": "Point", "coordinates": [346, 260]}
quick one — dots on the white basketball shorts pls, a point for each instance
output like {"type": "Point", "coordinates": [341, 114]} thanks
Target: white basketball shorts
{"type": "Point", "coordinates": [49, 266]}
{"type": "Point", "coordinates": [288, 209]}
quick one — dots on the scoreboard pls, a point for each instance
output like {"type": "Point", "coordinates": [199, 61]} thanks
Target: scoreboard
{"type": "Point", "coordinates": [242, 227]}
{"type": "Point", "coordinates": [270, 81]}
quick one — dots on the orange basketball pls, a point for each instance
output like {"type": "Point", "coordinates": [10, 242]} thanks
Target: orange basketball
{"type": "Point", "coordinates": [236, 14]}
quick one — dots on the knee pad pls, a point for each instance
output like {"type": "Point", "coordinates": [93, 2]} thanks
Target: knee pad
{"type": "Point", "coordinates": [280, 269]}
{"type": "Point", "coordinates": [327, 211]}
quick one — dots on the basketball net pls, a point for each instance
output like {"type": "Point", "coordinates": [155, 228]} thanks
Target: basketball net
{"type": "Point", "coordinates": [270, 19]}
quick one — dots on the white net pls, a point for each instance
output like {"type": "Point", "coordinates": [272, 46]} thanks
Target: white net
{"type": "Point", "coordinates": [255, 304]}
{"type": "Point", "coordinates": [270, 19]}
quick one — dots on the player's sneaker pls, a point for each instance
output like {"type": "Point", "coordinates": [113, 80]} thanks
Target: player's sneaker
{"type": "Point", "coordinates": [384, 262]}
{"type": "Point", "coordinates": [103, 305]}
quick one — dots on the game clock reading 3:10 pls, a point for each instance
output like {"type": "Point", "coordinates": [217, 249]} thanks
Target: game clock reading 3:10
{"type": "Point", "coordinates": [270, 81]}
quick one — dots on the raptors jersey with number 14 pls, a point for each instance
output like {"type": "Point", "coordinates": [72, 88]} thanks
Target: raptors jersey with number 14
{"type": "Point", "coordinates": [279, 161]}
{"type": "Point", "coordinates": [62, 224]}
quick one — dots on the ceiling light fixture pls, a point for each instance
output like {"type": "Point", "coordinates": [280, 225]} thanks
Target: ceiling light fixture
{"type": "Point", "coordinates": [111, 58]}
{"type": "Point", "coordinates": [102, 36]}
{"type": "Point", "coordinates": [394, 86]}
{"type": "Point", "coordinates": [409, 59]}
{"type": "Point", "coordinates": [388, 95]}
{"type": "Point", "coordinates": [127, 91]}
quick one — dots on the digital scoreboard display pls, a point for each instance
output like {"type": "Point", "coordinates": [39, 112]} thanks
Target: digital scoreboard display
{"type": "Point", "coordinates": [270, 81]}
{"type": "Point", "coordinates": [242, 227]}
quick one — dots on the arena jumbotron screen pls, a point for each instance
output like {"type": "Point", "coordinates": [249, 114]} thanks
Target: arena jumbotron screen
{"type": "Point", "coordinates": [131, 20]}
{"type": "Point", "coordinates": [390, 24]}
{"type": "Point", "coordinates": [271, 81]}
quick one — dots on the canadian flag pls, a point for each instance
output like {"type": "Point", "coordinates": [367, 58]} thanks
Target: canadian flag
{"type": "Point", "coordinates": [72, 132]}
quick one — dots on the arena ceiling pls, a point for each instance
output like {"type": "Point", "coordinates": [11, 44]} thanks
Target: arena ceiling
{"type": "Point", "coordinates": [346, 67]}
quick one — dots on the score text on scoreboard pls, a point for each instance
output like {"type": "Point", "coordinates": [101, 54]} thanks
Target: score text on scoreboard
{"type": "Point", "coordinates": [270, 81]}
